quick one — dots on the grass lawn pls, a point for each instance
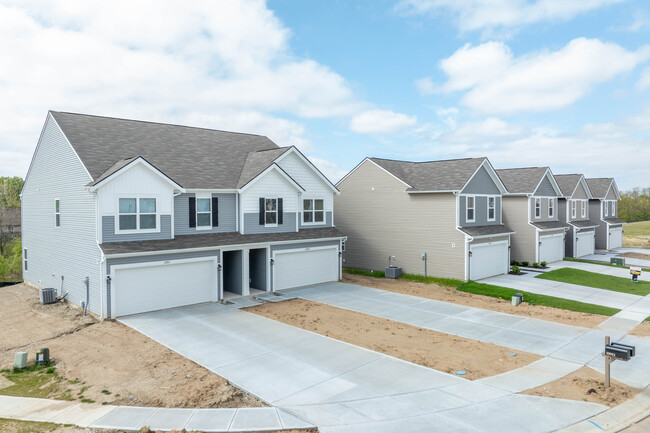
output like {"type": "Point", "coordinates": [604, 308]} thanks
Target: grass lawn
{"type": "Point", "coordinates": [637, 235]}
{"type": "Point", "coordinates": [599, 281]}
{"type": "Point", "coordinates": [593, 262]}
{"type": "Point", "coordinates": [535, 299]}
{"type": "Point", "coordinates": [449, 282]}
{"type": "Point", "coordinates": [37, 382]}
{"type": "Point", "coordinates": [15, 426]}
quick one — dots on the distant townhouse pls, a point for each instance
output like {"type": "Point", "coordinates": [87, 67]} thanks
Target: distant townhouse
{"type": "Point", "coordinates": [574, 209]}
{"type": "Point", "coordinates": [603, 212]}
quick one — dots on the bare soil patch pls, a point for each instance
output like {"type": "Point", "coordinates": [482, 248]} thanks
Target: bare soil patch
{"type": "Point", "coordinates": [632, 255]}
{"type": "Point", "coordinates": [586, 384]}
{"type": "Point", "coordinates": [443, 352]}
{"type": "Point", "coordinates": [450, 294]}
{"type": "Point", "coordinates": [107, 361]}
{"type": "Point", "coordinates": [643, 330]}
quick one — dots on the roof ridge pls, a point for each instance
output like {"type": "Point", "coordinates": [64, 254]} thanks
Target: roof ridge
{"type": "Point", "coordinates": [522, 168]}
{"type": "Point", "coordinates": [156, 123]}
{"type": "Point", "coordinates": [426, 162]}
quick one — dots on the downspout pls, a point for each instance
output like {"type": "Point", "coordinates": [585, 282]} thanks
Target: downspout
{"type": "Point", "coordinates": [85, 304]}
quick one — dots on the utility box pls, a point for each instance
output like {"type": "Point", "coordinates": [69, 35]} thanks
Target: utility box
{"type": "Point", "coordinates": [47, 295]}
{"type": "Point", "coordinates": [393, 272]}
{"type": "Point", "coordinates": [20, 360]}
{"type": "Point", "coordinates": [617, 261]}
{"type": "Point", "coordinates": [43, 356]}
{"type": "Point", "coordinates": [517, 299]}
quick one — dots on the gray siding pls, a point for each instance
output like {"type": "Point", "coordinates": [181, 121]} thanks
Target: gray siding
{"type": "Point", "coordinates": [481, 183]}
{"type": "Point", "coordinates": [257, 265]}
{"type": "Point", "coordinates": [544, 214]}
{"type": "Point", "coordinates": [545, 189]}
{"type": "Point", "coordinates": [227, 215]}
{"type": "Point", "coordinates": [601, 230]}
{"type": "Point", "coordinates": [109, 235]}
{"type": "Point", "coordinates": [480, 212]}
{"type": "Point", "coordinates": [523, 244]}
{"type": "Point", "coordinates": [313, 244]}
{"type": "Point", "coordinates": [232, 271]}
{"type": "Point", "coordinates": [60, 257]}
{"type": "Point", "coordinates": [327, 223]}
{"type": "Point", "coordinates": [252, 224]}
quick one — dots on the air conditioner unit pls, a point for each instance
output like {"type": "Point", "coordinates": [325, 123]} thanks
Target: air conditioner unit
{"type": "Point", "coordinates": [47, 295]}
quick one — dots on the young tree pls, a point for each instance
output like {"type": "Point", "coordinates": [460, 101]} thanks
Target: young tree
{"type": "Point", "coordinates": [10, 188]}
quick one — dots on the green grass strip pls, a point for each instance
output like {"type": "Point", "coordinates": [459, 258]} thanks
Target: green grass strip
{"type": "Point", "coordinates": [377, 274]}
{"type": "Point", "coordinates": [593, 262]}
{"type": "Point", "coordinates": [535, 299]}
{"type": "Point", "coordinates": [450, 282]}
{"type": "Point", "coordinates": [598, 281]}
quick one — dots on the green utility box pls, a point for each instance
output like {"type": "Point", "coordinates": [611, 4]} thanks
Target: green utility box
{"type": "Point", "coordinates": [617, 261]}
{"type": "Point", "coordinates": [43, 356]}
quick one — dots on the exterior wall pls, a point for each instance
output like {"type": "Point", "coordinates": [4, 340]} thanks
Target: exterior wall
{"type": "Point", "coordinates": [611, 195]}
{"type": "Point", "coordinates": [578, 214]}
{"type": "Point", "coordinates": [481, 183]}
{"type": "Point", "coordinates": [272, 185]}
{"type": "Point", "coordinates": [595, 209]}
{"type": "Point", "coordinates": [523, 244]}
{"type": "Point", "coordinates": [258, 264]}
{"type": "Point", "coordinates": [381, 220]}
{"type": "Point", "coordinates": [109, 233]}
{"type": "Point", "coordinates": [545, 189]}
{"type": "Point", "coordinates": [610, 207]}
{"type": "Point", "coordinates": [544, 216]}
{"type": "Point", "coordinates": [136, 181]}
{"type": "Point", "coordinates": [309, 244]}
{"type": "Point", "coordinates": [562, 210]}
{"type": "Point", "coordinates": [227, 215]}
{"type": "Point", "coordinates": [61, 257]}
{"type": "Point", "coordinates": [314, 186]}
{"type": "Point", "coordinates": [480, 211]}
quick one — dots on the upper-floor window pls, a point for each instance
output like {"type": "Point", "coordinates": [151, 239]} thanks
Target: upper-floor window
{"type": "Point", "coordinates": [470, 208]}
{"type": "Point", "coordinates": [25, 258]}
{"type": "Point", "coordinates": [137, 213]}
{"type": "Point", "coordinates": [538, 207]}
{"type": "Point", "coordinates": [313, 211]}
{"type": "Point", "coordinates": [573, 208]}
{"type": "Point", "coordinates": [606, 208]}
{"type": "Point", "coordinates": [203, 212]}
{"type": "Point", "coordinates": [57, 213]}
{"type": "Point", "coordinates": [583, 208]}
{"type": "Point", "coordinates": [613, 208]}
{"type": "Point", "coordinates": [491, 208]}
{"type": "Point", "coordinates": [551, 207]}
{"type": "Point", "coordinates": [271, 211]}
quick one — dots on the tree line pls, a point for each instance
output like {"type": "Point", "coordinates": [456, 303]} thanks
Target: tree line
{"type": "Point", "coordinates": [634, 205]}
{"type": "Point", "coordinates": [10, 244]}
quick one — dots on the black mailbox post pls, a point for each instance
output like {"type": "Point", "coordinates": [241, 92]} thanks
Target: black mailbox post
{"type": "Point", "coordinates": [614, 351]}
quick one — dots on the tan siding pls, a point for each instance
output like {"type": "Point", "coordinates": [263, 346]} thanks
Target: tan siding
{"type": "Point", "coordinates": [515, 216]}
{"type": "Point", "coordinates": [387, 221]}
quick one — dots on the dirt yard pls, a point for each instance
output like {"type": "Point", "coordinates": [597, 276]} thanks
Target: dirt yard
{"type": "Point", "coordinates": [442, 352]}
{"type": "Point", "coordinates": [107, 361]}
{"type": "Point", "coordinates": [637, 235]}
{"type": "Point", "coordinates": [586, 384]}
{"type": "Point", "coordinates": [640, 256]}
{"type": "Point", "coordinates": [643, 330]}
{"type": "Point", "coordinates": [450, 294]}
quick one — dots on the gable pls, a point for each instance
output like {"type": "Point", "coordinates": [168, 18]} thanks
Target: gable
{"type": "Point", "coordinates": [545, 189]}
{"type": "Point", "coordinates": [611, 194]}
{"type": "Point", "coordinates": [580, 192]}
{"type": "Point", "coordinates": [304, 174]}
{"type": "Point", "coordinates": [481, 183]}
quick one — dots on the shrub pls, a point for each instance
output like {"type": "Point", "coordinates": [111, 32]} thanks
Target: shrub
{"type": "Point", "coordinates": [524, 263]}
{"type": "Point", "coordinates": [514, 263]}
{"type": "Point", "coordinates": [535, 265]}
{"type": "Point", "coordinates": [515, 269]}
{"type": "Point", "coordinates": [543, 264]}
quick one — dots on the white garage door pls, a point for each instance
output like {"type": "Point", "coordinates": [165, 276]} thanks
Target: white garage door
{"type": "Point", "coordinates": [488, 259]}
{"type": "Point", "coordinates": [552, 248]}
{"type": "Point", "coordinates": [585, 245]}
{"type": "Point", "coordinates": [294, 268]}
{"type": "Point", "coordinates": [150, 288]}
{"type": "Point", "coordinates": [615, 238]}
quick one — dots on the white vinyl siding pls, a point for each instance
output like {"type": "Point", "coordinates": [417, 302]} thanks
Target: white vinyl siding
{"type": "Point", "coordinates": [57, 213]}
{"type": "Point", "coordinates": [313, 184]}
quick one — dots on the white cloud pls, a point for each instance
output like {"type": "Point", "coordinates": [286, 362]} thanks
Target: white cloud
{"type": "Point", "coordinates": [644, 79]}
{"type": "Point", "coordinates": [472, 15]}
{"type": "Point", "coordinates": [381, 122]}
{"type": "Point", "coordinates": [331, 170]}
{"type": "Point", "coordinates": [497, 82]}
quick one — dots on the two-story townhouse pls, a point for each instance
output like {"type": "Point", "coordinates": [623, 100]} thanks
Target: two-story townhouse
{"type": "Point", "coordinates": [603, 213]}
{"type": "Point", "coordinates": [531, 209]}
{"type": "Point", "coordinates": [440, 218]}
{"type": "Point", "coordinates": [573, 207]}
{"type": "Point", "coordinates": [127, 216]}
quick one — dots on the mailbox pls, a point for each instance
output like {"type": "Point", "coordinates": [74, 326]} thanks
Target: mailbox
{"type": "Point", "coordinates": [631, 349]}
{"type": "Point", "coordinates": [618, 352]}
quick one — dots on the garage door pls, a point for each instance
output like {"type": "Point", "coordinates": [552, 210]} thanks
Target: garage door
{"type": "Point", "coordinates": [615, 238]}
{"type": "Point", "coordinates": [295, 268]}
{"type": "Point", "coordinates": [551, 248]}
{"type": "Point", "coordinates": [488, 259]}
{"type": "Point", "coordinates": [150, 288]}
{"type": "Point", "coordinates": [585, 245]}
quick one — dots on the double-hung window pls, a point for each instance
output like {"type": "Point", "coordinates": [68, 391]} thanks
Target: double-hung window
{"type": "Point", "coordinates": [491, 208]}
{"type": "Point", "coordinates": [271, 211]}
{"type": "Point", "coordinates": [470, 209]}
{"type": "Point", "coordinates": [551, 207]}
{"type": "Point", "coordinates": [573, 208]}
{"type": "Point", "coordinates": [606, 210]}
{"type": "Point", "coordinates": [25, 258]}
{"type": "Point", "coordinates": [203, 212]}
{"type": "Point", "coordinates": [538, 207]}
{"type": "Point", "coordinates": [313, 211]}
{"type": "Point", "coordinates": [137, 214]}
{"type": "Point", "coordinates": [583, 208]}
{"type": "Point", "coordinates": [57, 213]}
{"type": "Point", "coordinates": [613, 208]}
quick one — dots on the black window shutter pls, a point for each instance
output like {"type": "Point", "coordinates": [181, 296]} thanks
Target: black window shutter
{"type": "Point", "coordinates": [262, 219]}
{"type": "Point", "coordinates": [192, 211]}
{"type": "Point", "coordinates": [280, 213]}
{"type": "Point", "coordinates": [215, 211]}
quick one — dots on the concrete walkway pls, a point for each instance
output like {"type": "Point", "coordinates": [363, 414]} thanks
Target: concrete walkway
{"type": "Point", "coordinates": [134, 418]}
{"type": "Point", "coordinates": [344, 388]}
{"type": "Point", "coordinates": [604, 256]}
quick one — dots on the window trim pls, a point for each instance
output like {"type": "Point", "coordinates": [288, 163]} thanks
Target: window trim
{"type": "Point", "coordinates": [583, 208]}
{"type": "Point", "coordinates": [538, 208]}
{"type": "Point", "coordinates": [313, 211]}
{"type": "Point", "coordinates": [493, 208]}
{"type": "Point", "coordinates": [606, 211]}
{"type": "Point", "coordinates": [551, 208]}
{"type": "Point", "coordinates": [613, 208]}
{"type": "Point", "coordinates": [57, 213]}
{"type": "Point", "coordinates": [25, 267]}
{"type": "Point", "coordinates": [137, 213]}
{"type": "Point", "coordinates": [473, 208]}
{"type": "Point", "coordinates": [574, 208]}
{"type": "Point", "coordinates": [266, 212]}
{"type": "Point", "coordinates": [198, 197]}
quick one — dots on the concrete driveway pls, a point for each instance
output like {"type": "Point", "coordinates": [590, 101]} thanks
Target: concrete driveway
{"type": "Point", "coordinates": [344, 388]}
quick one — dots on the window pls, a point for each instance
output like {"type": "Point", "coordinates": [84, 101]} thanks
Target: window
{"type": "Point", "coordinates": [551, 207]}
{"type": "Point", "coordinates": [538, 207]}
{"type": "Point", "coordinates": [613, 208]}
{"type": "Point", "coordinates": [313, 211]}
{"type": "Point", "coordinates": [25, 258]}
{"type": "Point", "coordinates": [271, 211]}
{"type": "Point", "coordinates": [203, 212]}
{"type": "Point", "coordinates": [583, 208]}
{"type": "Point", "coordinates": [137, 214]}
{"type": "Point", "coordinates": [57, 212]}
{"type": "Point", "coordinates": [343, 245]}
{"type": "Point", "coordinates": [573, 208]}
{"type": "Point", "coordinates": [491, 210]}
{"type": "Point", "coordinates": [606, 210]}
{"type": "Point", "coordinates": [470, 209]}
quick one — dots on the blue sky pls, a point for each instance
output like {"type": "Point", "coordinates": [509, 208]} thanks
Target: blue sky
{"type": "Point", "coordinates": [546, 82]}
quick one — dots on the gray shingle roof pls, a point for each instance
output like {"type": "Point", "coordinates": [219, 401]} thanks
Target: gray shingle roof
{"type": "Point", "coordinates": [498, 229]}
{"type": "Point", "coordinates": [522, 180]}
{"type": "Point", "coordinates": [257, 162]}
{"type": "Point", "coordinates": [449, 175]}
{"type": "Point", "coordinates": [550, 225]}
{"type": "Point", "coordinates": [567, 183]}
{"type": "Point", "coordinates": [216, 240]}
{"type": "Point", "coordinates": [613, 220]}
{"type": "Point", "coordinates": [599, 186]}
{"type": "Point", "coordinates": [192, 157]}
{"type": "Point", "coordinates": [583, 224]}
